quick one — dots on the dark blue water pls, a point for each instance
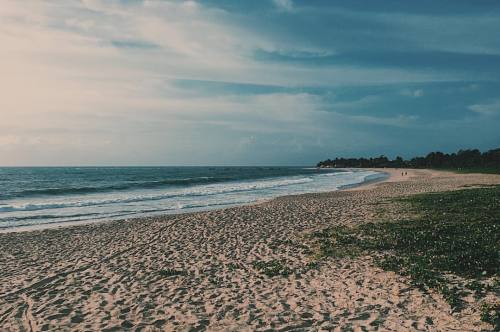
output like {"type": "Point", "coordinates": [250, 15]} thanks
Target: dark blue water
{"type": "Point", "coordinates": [38, 195]}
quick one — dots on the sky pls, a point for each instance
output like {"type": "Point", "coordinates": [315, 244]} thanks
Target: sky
{"type": "Point", "coordinates": [266, 82]}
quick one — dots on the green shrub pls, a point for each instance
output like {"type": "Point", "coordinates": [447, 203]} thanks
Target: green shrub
{"type": "Point", "coordinates": [172, 272]}
{"type": "Point", "coordinates": [272, 268]}
{"type": "Point", "coordinates": [457, 233]}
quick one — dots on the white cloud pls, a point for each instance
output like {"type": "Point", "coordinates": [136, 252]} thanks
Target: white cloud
{"type": "Point", "coordinates": [397, 121]}
{"type": "Point", "coordinates": [489, 109]}
{"type": "Point", "coordinates": [285, 5]}
{"type": "Point", "coordinates": [416, 93]}
{"type": "Point", "coordinates": [70, 91]}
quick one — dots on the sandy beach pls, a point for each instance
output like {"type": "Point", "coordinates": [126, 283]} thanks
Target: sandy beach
{"type": "Point", "coordinates": [108, 276]}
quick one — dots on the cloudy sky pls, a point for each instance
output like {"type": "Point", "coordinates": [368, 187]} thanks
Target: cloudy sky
{"type": "Point", "coordinates": [115, 82]}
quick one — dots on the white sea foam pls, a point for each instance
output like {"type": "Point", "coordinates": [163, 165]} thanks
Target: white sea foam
{"type": "Point", "coordinates": [203, 190]}
{"type": "Point", "coordinates": [154, 201]}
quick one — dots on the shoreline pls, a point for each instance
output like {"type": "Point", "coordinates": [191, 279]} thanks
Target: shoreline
{"type": "Point", "coordinates": [203, 270]}
{"type": "Point", "coordinates": [57, 225]}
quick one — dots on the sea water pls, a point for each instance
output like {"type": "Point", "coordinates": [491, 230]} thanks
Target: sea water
{"type": "Point", "coordinates": [45, 195]}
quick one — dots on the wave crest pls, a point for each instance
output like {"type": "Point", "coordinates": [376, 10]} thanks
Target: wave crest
{"type": "Point", "coordinates": [206, 190]}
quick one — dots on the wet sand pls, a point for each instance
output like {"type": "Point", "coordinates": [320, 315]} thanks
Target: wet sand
{"type": "Point", "coordinates": [106, 276]}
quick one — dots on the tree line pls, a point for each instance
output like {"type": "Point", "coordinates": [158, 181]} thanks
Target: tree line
{"type": "Point", "coordinates": [462, 159]}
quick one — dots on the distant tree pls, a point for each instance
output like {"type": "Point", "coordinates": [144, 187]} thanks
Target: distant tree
{"type": "Point", "coordinates": [437, 159]}
{"type": "Point", "coordinates": [491, 158]}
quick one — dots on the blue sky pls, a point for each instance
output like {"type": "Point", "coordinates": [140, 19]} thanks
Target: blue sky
{"type": "Point", "coordinates": [288, 82]}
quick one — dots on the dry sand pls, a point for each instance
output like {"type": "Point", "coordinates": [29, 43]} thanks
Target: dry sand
{"type": "Point", "coordinates": [106, 276]}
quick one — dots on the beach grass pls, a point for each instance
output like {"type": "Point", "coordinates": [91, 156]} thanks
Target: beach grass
{"type": "Point", "coordinates": [453, 236]}
{"type": "Point", "coordinates": [482, 170]}
{"type": "Point", "coordinates": [172, 273]}
{"type": "Point", "coordinates": [272, 268]}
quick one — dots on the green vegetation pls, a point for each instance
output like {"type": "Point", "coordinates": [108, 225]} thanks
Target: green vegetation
{"type": "Point", "coordinates": [313, 265]}
{"type": "Point", "coordinates": [280, 268]}
{"type": "Point", "coordinates": [464, 160]}
{"type": "Point", "coordinates": [233, 266]}
{"type": "Point", "coordinates": [483, 170]}
{"type": "Point", "coordinates": [490, 313]}
{"type": "Point", "coordinates": [272, 268]}
{"type": "Point", "coordinates": [172, 273]}
{"type": "Point", "coordinates": [452, 245]}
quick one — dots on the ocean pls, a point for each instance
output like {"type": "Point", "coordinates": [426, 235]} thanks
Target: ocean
{"type": "Point", "coordinates": [32, 196]}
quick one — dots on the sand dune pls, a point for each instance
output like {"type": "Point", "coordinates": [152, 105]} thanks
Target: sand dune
{"type": "Point", "coordinates": [197, 271]}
